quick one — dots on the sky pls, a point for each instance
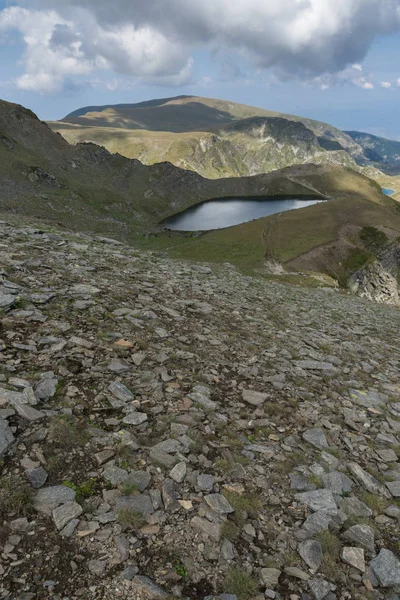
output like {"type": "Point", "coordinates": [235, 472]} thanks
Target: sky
{"type": "Point", "coordinates": [331, 60]}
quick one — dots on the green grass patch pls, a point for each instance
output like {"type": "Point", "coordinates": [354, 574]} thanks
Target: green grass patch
{"type": "Point", "coordinates": [240, 583]}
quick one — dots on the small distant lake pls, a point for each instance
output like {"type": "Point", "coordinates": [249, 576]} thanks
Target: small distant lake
{"type": "Point", "coordinates": [387, 192]}
{"type": "Point", "coordinates": [216, 214]}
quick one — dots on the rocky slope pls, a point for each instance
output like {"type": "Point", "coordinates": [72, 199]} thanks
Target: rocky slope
{"type": "Point", "coordinates": [215, 138]}
{"type": "Point", "coordinates": [384, 153]}
{"type": "Point", "coordinates": [175, 430]}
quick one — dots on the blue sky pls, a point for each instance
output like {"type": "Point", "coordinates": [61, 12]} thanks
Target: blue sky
{"type": "Point", "coordinates": [59, 56]}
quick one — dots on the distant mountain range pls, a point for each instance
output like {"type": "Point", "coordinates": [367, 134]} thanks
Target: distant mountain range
{"type": "Point", "coordinates": [218, 138]}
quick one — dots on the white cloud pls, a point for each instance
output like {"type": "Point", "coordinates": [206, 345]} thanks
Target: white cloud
{"type": "Point", "coordinates": [386, 84]}
{"type": "Point", "coordinates": [153, 40]}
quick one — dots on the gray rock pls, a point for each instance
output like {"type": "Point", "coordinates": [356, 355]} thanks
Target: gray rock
{"type": "Point", "coordinates": [168, 446]}
{"type": "Point", "coordinates": [6, 437]}
{"type": "Point", "coordinates": [362, 535]}
{"type": "Point", "coordinates": [178, 473]}
{"type": "Point", "coordinates": [386, 567]}
{"type": "Point", "coordinates": [338, 483]}
{"type": "Point", "coordinates": [6, 301]}
{"type": "Point", "coordinates": [316, 437]}
{"type": "Point", "coordinates": [81, 289]}
{"type": "Point", "coordinates": [227, 550]}
{"type": "Point", "coordinates": [353, 507]}
{"type": "Point", "coordinates": [122, 544]}
{"type": "Point", "coordinates": [37, 477]}
{"type": "Point", "coordinates": [254, 398]}
{"type": "Point", "coordinates": [297, 573]}
{"type": "Point", "coordinates": [147, 589]}
{"type": "Point", "coordinates": [320, 588]}
{"type": "Point", "coordinates": [130, 572]}
{"type": "Point", "coordinates": [368, 399]}
{"type": "Point", "coordinates": [120, 391]}
{"type": "Point", "coordinates": [140, 503]}
{"type": "Point", "coordinates": [115, 475]}
{"type": "Point", "coordinates": [65, 513]}
{"type": "Point", "coordinates": [219, 504]}
{"type": "Point", "coordinates": [212, 530]}
{"type": "Point", "coordinates": [97, 567]}
{"type": "Point", "coordinates": [140, 479]}
{"type": "Point", "coordinates": [47, 499]}
{"type": "Point", "coordinates": [314, 365]}
{"type": "Point", "coordinates": [28, 412]}
{"type": "Point", "coordinates": [169, 495]}
{"type": "Point", "coordinates": [311, 552]}
{"type": "Point", "coordinates": [317, 522]}
{"type": "Point", "coordinates": [270, 577]}
{"type": "Point", "coordinates": [135, 418]}
{"type": "Point", "coordinates": [354, 557]}
{"type": "Point", "coordinates": [162, 458]}
{"type": "Point", "coordinates": [201, 395]}
{"type": "Point", "coordinates": [367, 481]}
{"type": "Point", "coordinates": [46, 389]}
{"type": "Point", "coordinates": [319, 500]}
{"type": "Point", "coordinates": [205, 482]}
{"type": "Point", "coordinates": [394, 488]}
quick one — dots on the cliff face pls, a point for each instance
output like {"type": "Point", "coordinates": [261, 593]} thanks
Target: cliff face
{"type": "Point", "coordinates": [379, 281]}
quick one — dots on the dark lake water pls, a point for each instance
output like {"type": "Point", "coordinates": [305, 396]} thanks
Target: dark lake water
{"type": "Point", "coordinates": [387, 192]}
{"type": "Point", "coordinates": [216, 214]}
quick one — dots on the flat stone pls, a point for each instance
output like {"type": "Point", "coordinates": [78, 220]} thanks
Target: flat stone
{"type": "Point", "coordinates": [28, 412]}
{"type": "Point", "coordinates": [354, 557]}
{"type": "Point", "coordinates": [37, 477]}
{"type": "Point", "coordinates": [169, 495]}
{"type": "Point", "coordinates": [387, 455]}
{"type": "Point", "coordinates": [146, 588]}
{"type": "Point", "coordinates": [46, 389]}
{"type": "Point", "coordinates": [205, 482]}
{"type": "Point", "coordinates": [320, 588]}
{"type": "Point", "coordinates": [69, 529]}
{"type": "Point", "coordinates": [201, 395]}
{"type": "Point", "coordinates": [141, 479]}
{"type": "Point", "coordinates": [219, 504]}
{"type": "Point", "coordinates": [120, 391]}
{"type": "Point", "coordinates": [47, 499]}
{"type": "Point", "coordinates": [65, 513]}
{"type": "Point", "coordinates": [162, 458]}
{"type": "Point", "coordinates": [314, 365]}
{"type": "Point", "coordinates": [140, 503]}
{"type": "Point", "coordinates": [115, 475]}
{"type": "Point", "coordinates": [338, 483]}
{"type": "Point", "coordinates": [81, 289]}
{"type": "Point", "coordinates": [254, 398]}
{"type": "Point", "coordinates": [6, 300]}
{"type": "Point", "coordinates": [316, 437]}
{"type": "Point", "coordinates": [368, 481]}
{"type": "Point", "coordinates": [311, 552]}
{"type": "Point", "coordinates": [6, 437]}
{"type": "Point", "coordinates": [168, 446]}
{"type": "Point", "coordinates": [362, 535]}
{"type": "Point", "coordinates": [353, 507]}
{"type": "Point", "coordinates": [135, 418]}
{"type": "Point", "coordinates": [227, 550]}
{"type": "Point", "coordinates": [318, 500]}
{"type": "Point", "coordinates": [21, 524]}
{"type": "Point", "coordinates": [178, 473]}
{"type": "Point", "coordinates": [270, 577]}
{"type": "Point", "coordinates": [368, 399]}
{"type": "Point", "coordinates": [212, 530]}
{"type": "Point", "coordinates": [319, 521]}
{"type": "Point", "coordinates": [122, 544]}
{"type": "Point", "coordinates": [97, 567]}
{"type": "Point", "coordinates": [104, 456]}
{"type": "Point", "coordinates": [386, 567]}
{"type": "Point", "coordinates": [297, 573]}
{"type": "Point", "coordinates": [394, 488]}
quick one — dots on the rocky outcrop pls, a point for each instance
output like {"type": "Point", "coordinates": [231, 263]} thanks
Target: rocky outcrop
{"type": "Point", "coordinates": [378, 281]}
{"type": "Point", "coordinates": [375, 283]}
